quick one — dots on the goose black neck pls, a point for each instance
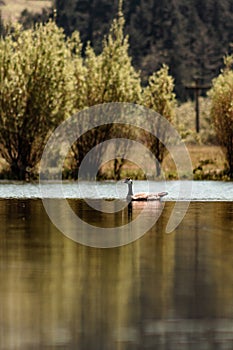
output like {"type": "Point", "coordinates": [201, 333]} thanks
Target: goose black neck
{"type": "Point", "coordinates": [130, 189]}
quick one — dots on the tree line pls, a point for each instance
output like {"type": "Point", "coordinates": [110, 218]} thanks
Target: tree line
{"type": "Point", "coordinates": [191, 37]}
{"type": "Point", "coordinates": [46, 76]}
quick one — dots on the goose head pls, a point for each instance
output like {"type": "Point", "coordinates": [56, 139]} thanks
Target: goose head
{"type": "Point", "coordinates": [128, 181]}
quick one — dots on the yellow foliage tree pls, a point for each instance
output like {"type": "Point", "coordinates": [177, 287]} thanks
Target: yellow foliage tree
{"type": "Point", "coordinates": [37, 90]}
{"type": "Point", "coordinates": [222, 110]}
{"type": "Point", "coordinates": [159, 96]}
{"type": "Point", "coordinates": [110, 77]}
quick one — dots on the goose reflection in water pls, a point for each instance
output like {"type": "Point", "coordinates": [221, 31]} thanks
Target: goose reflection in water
{"type": "Point", "coordinates": [150, 210]}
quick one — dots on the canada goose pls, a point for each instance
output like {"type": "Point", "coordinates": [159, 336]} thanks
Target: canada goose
{"type": "Point", "coordinates": [142, 196]}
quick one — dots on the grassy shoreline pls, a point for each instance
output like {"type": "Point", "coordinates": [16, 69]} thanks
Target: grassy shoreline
{"type": "Point", "coordinates": [208, 163]}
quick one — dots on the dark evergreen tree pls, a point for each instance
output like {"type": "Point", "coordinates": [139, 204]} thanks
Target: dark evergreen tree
{"type": "Point", "coordinates": [2, 28]}
{"type": "Point", "coordinates": [190, 36]}
{"type": "Point", "coordinates": [29, 19]}
{"type": "Point", "coordinates": [92, 18]}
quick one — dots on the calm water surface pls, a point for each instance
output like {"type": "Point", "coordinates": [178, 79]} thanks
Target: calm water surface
{"type": "Point", "coordinates": [177, 190]}
{"type": "Point", "coordinates": [164, 291]}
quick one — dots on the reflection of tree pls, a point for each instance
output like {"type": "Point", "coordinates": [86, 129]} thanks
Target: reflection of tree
{"type": "Point", "coordinates": [222, 251]}
{"type": "Point", "coordinates": [157, 273]}
{"type": "Point", "coordinates": [56, 293]}
{"type": "Point", "coordinates": [189, 277]}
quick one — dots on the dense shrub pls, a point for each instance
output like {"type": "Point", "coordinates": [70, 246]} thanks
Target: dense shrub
{"type": "Point", "coordinates": [159, 96]}
{"type": "Point", "coordinates": [37, 92]}
{"type": "Point", "coordinates": [222, 110]}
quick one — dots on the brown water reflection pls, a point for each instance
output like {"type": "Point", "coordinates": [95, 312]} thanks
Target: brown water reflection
{"type": "Point", "coordinates": [161, 292]}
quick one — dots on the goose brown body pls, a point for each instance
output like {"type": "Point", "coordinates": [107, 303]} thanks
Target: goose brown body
{"type": "Point", "coordinates": [143, 196]}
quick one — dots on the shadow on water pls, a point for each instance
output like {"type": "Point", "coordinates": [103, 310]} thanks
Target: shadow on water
{"type": "Point", "coordinates": [164, 291]}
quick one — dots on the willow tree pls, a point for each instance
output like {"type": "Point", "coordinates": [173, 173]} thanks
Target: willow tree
{"type": "Point", "coordinates": [110, 77]}
{"type": "Point", "coordinates": [36, 92]}
{"type": "Point", "coordinates": [222, 110]}
{"type": "Point", "coordinates": [159, 96]}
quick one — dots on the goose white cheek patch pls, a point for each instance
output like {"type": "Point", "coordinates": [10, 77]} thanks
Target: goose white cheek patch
{"type": "Point", "coordinates": [120, 114]}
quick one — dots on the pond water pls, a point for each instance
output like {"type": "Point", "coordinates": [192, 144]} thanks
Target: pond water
{"type": "Point", "coordinates": [177, 190]}
{"type": "Point", "coordinates": [163, 291]}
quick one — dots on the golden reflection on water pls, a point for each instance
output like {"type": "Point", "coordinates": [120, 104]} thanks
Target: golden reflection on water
{"type": "Point", "coordinates": [160, 292]}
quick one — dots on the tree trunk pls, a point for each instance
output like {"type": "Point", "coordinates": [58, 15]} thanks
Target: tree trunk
{"type": "Point", "coordinates": [18, 171]}
{"type": "Point", "coordinates": [118, 164]}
